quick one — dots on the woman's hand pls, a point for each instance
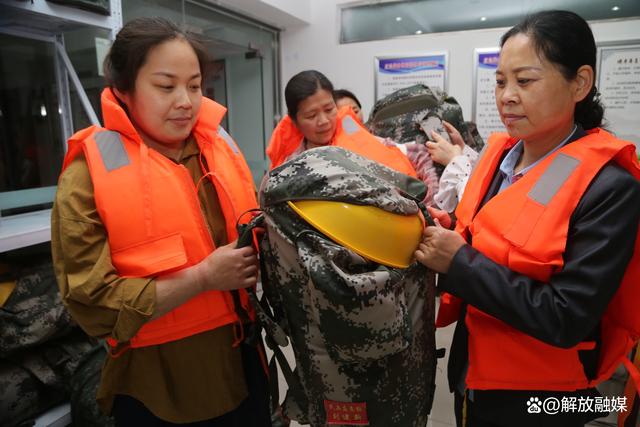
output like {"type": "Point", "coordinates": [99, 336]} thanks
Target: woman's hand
{"type": "Point", "coordinates": [228, 268]}
{"type": "Point", "coordinates": [443, 151]}
{"type": "Point", "coordinates": [438, 247]}
{"type": "Point", "coordinates": [442, 217]}
{"type": "Point", "coordinates": [224, 269]}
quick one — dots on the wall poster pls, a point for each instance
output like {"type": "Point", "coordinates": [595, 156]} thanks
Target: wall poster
{"type": "Point", "coordinates": [484, 111]}
{"type": "Point", "coordinates": [400, 71]}
{"type": "Point", "coordinates": [619, 86]}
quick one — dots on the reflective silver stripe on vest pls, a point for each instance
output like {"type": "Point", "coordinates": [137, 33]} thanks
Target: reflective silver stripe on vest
{"type": "Point", "coordinates": [553, 178]}
{"type": "Point", "coordinates": [349, 125]}
{"type": "Point", "coordinates": [223, 133]}
{"type": "Point", "coordinates": [112, 150]}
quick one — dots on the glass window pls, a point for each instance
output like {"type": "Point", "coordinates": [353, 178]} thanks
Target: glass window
{"type": "Point", "coordinates": [249, 55]}
{"type": "Point", "coordinates": [83, 47]}
{"type": "Point", "coordinates": [384, 20]}
{"type": "Point", "coordinates": [215, 85]}
{"type": "Point", "coordinates": [31, 139]}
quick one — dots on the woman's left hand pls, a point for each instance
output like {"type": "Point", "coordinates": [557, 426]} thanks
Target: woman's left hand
{"type": "Point", "coordinates": [438, 247]}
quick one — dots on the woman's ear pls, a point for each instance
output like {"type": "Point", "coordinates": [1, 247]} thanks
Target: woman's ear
{"type": "Point", "coordinates": [584, 82]}
{"type": "Point", "coordinates": [122, 96]}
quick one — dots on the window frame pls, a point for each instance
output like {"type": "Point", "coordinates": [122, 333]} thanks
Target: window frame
{"type": "Point", "coordinates": [26, 229]}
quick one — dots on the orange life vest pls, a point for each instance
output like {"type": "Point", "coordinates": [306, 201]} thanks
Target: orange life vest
{"type": "Point", "coordinates": [349, 134]}
{"type": "Point", "coordinates": [150, 209]}
{"type": "Point", "coordinates": [525, 228]}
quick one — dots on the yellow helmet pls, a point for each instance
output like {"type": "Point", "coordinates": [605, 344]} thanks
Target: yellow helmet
{"type": "Point", "coordinates": [384, 237]}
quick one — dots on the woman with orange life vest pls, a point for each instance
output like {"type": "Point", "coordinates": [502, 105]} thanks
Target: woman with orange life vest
{"type": "Point", "coordinates": [545, 257]}
{"type": "Point", "coordinates": [313, 120]}
{"type": "Point", "coordinates": [143, 239]}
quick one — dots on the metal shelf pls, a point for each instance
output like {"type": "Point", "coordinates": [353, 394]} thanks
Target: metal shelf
{"type": "Point", "coordinates": [43, 20]}
{"type": "Point", "coordinates": [46, 21]}
{"type": "Point", "coordinates": [18, 231]}
{"type": "Point", "coordinates": [46, 17]}
{"type": "Point", "coordinates": [60, 416]}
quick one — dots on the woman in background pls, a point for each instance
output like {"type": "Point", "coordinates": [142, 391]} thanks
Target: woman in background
{"type": "Point", "coordinates": [345, 97]}
{"type": "Point", "coordinates": [313, 120]}
{"type": "Point", "coordinates": [458, 159]}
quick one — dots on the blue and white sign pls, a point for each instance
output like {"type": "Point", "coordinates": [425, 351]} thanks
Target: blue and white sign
{"type": "Point", "coordinates": [485, 113]}
{"type": "Point", "coordinates": [397, 72]}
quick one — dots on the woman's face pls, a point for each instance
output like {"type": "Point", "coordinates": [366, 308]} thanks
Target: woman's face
{"type": "Point", "coordinates": [165, 103]}
{"type": "Point", "coordinates": [351, 103]}
{"type": "Point", "coordinates": [535, 101]}
{"type": "Point", "coordinates": [316, 117]}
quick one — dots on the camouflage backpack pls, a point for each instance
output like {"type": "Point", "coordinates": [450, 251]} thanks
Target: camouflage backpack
{"type": "Point", "coordinates": [41, 351]}
{"type": "Point", "coordinates": [363, 334]}
{"type": "Point", "coordinates": [83, 388]}
{"type": "Point", "coordinates": [408, 115]}
{"type": "Point", "coordinates": [33, 313]}
{"type": "Point", "coordinates": [36, 379]}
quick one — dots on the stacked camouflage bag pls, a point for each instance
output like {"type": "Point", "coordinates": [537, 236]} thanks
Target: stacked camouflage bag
{"type": "Point", "coordinates": [43, 355]}
{"type": "Point", "coordinates": [409, 114]}
{"type": "Point", "coordinates": [363, 334]}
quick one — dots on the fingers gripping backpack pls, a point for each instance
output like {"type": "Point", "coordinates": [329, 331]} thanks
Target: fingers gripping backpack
{"type": "Point", "coordinates": [362, 334]}
{"type": "Point", "coordinates": [409, 114]}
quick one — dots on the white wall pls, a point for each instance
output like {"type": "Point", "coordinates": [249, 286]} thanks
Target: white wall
{"type": "Point", "coordinates": [278, 13]}
{"type": "Point", "coordinates": [350, 66]}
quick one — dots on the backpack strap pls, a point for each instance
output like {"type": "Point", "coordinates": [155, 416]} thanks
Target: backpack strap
{"type": "Point", "coordinates": [250, 234]}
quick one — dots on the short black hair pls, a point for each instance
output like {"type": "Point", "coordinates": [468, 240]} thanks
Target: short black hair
{"type": "Point", "coordinates": [303, 85]}
{"type": "Point", "coordinates": [565, 39]}
{"type": "Point", "coordinates": [133, 42]}
{"type": "Point", "coordinates": [344, 93]}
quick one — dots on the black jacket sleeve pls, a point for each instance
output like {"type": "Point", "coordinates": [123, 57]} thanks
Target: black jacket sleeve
{"type": "Point", "coordinates": [565, 311]}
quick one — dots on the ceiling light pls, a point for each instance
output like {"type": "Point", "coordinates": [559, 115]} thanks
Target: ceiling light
{"type": "Point", "coordinates": [419, 32]}
{"type": "Point", "coordinates": [483, 18]}
{"type": "Point", "coordinates": [615, 8]}
{"type": "Point", "coordinates": [398, 18]}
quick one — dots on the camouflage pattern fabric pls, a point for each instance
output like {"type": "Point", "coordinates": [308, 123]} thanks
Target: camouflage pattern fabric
{"type": "Point", "coordinates": [363, 334]}
{"type": "Point", "coordinates": [409, 114]}
{"type": "Point", "coordinates": [34, 380]}
{"type": "Point", "coordinates": [55, 362]}
{"type": "Point", "coordinates": [22, 395]}
{"type": "Point", "coordinates": [41, 351]}
{"type": "Point", "coordinates": [84, 388]}
{"type": "Point", "coordinates": [471, 136]}
{"type": "Point", "coordinates": [34, 312]}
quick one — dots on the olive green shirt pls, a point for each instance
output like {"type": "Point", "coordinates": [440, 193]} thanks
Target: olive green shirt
{"type": "Point", "coordinates": [192, 379]}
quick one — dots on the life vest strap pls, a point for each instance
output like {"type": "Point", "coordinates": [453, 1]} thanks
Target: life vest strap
{"type": "Point", "coordinates": [634, 372]}
{"type": "Point", "coordinates": [632, 386]}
